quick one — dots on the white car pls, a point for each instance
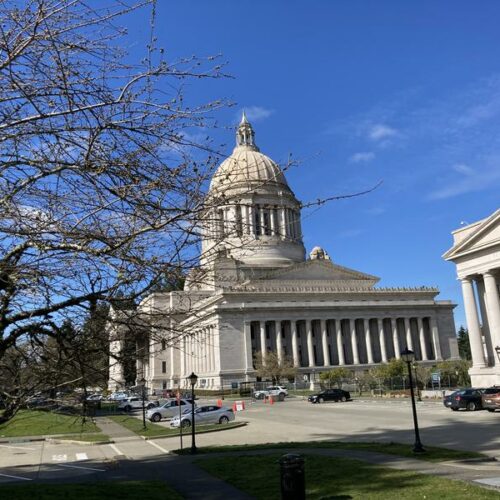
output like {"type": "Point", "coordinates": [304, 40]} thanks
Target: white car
{"type": "Point", "coordinates": [118, 396]}
{"type": "Point", "coordinates": [277, 391]}
{"type": "Point", "coordinates": [135, 403]}
{"type": "Point", "coordinates": [169, 409]}
{"type": "Point", "coordinates": [209, 414]}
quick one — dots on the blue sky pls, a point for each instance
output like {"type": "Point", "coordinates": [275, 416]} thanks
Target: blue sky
{"type": "Point", "coordinates": [407, 93]}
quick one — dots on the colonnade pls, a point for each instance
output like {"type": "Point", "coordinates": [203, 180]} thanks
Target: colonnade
{"type": "Point", "coordinates": [198, 352]}
{"type": "Point", "coordinates": [343, 341]}
{"type": "Point", "coordinates": [483, 322]}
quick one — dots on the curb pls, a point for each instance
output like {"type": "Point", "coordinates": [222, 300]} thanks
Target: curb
{"type": "Point", "coordinates": [240, 424]}
{"type": "Point", "coordinates": [73, 441]}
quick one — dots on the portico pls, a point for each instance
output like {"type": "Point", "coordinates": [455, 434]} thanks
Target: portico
{"type": "Point", "coordinates": [476, 253]}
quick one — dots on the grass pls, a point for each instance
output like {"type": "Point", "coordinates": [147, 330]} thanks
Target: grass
{"type": "Point", "coordinates": [89, 437]}
{"type": "Point", "coordinates": [152, 490]}
{"type": "Point", "coordinates": [39, 423]}
{"type": "Point", "coordinates": [433, 454]}
{"type": "Point", "coordinates": [328, 477]}
{"type": "Point", "coordinates": [155, 430]}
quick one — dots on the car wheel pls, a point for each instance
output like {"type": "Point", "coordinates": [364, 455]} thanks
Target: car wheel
{"type": "Point", "coordinates": [321, 400]}
{"type": "Point", "coordinates": [127, 408]}
{"type": "Point", "coordinates": [223, 420]}
{"type": "Point", "coordinates": [186, 423]}
{"type": "Point", "coordinates": [260, 396]}
{"type": "Point", "coordinates": [471, 406]}
{"type": "Point", "coordinates": [454, 409]}
{"type": "Point", "coordinates": [150, 405]}
{"type": "Point", "coordinates": [156, 417]}
{"type": "Point", "coordinates": [343, 399]}
{"type": "Point", "coordinates": [281, 397]}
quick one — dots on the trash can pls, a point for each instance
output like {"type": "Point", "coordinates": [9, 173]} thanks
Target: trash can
{"type": "Point", "coordinates": [293, 486]}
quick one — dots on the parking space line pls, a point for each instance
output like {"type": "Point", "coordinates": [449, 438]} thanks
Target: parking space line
{"type": "Point", "coordinates": [17, 477]}
{"type": "Point", "coordinates": [152, 443]}
{"type": "Point", "coordinates": [17, 447]}
{"type": "Point", "coordinates": [81, 456]}
{"type": "Point", "coordinates": [81, 467]}
{"type": "Point", "coordinates": [116, 450]}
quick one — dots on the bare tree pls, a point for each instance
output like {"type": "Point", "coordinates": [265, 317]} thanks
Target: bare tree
{"type": "Point", "coordinates": [273, 367]}
{"type": "Point", "coordinates": [100, 185]}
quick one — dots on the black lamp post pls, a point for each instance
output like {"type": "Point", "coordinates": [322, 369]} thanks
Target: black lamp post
{"type": "Point", "coordinates": [193, 378]}
{"type": "Point", "coordinates": [143, 385]}
{"type": "Point", "coordinates": [415, 366]}
{"type": "Point", "coordinates": [408, 357]}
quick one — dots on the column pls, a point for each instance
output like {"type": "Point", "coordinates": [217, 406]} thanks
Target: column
{"type": "Point", "coordinates": [272, 221]}
{"type": "Point", "coordinates": [250, 226]}
{"type": "Point", "coordinates": [354, 341]}
{"type": "Point", "coordinates": [261, 219]}
{"type": "Point", "coordinates": [492, 307]}
{"type": "Point", "coordinates": [340, 347]}
{"type": "Point", "coordinates": [435, 338]}
{"type": "Point", "coordinates": [247, 339]}
{"type": "Point", "coordinates": [279, 340]}
{"type": "Point", "coordinates": [409, 341]}
{"type": "Point", "coordinates": [395, 338]}
{"type": "Point", "coordinates": [295, 343]}
{"type": "Point", "coordinates": [368, 341]}
{"type": "Point", "coordinates": [324, 342]}
{"type": "Point", "coordinates": [263, 347]}
{"type": "Point", "coordinates": [421, 335]}
{"type": "Point", "coordinates": [282, 225]}
{"type": "Point", "coordinates": [381, 339]}
{"type": "Point", "coordinates": [475, 338]}
{"type": "Point", "coordinates": [310, 346]}
{"type": "Point", "coordinates": [485, 329]}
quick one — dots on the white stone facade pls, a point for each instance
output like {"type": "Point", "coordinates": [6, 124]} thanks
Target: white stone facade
{"type": "Point", "coordinates": [476, 253]}
{"type": "Point", "coordinates": [255, 291]}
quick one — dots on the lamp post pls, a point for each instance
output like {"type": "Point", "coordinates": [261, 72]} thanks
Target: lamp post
{"type": "Point", "coordinates": [143, 384]}
{"type": "Point", "coordinates": [415, 366]}
{"type": "Point", "coordinates": [193, 378]}
{"type": "Point", "coordinates": [408, 357]}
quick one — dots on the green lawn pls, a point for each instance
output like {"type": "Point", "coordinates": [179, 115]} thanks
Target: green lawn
{"type": "Point", "coordinates": [328, 477]}
{"type": "Point", "coordinates": [154, 430]}
{"type": "Point", "coordinates": [38, 423]}
{"type": "Point", "coordinates": [433, 454]}
{"type": "Point", "coordinates": [88, 437]}
{"type": "Point", "coordinates": [150, 490]}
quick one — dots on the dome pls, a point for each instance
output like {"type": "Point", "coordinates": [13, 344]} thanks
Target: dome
{"type": "Point", "coordinates": [247, 167]}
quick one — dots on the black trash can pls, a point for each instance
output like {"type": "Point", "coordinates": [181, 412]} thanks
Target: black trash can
{"type": "Point", "coordinates": [293, 486]}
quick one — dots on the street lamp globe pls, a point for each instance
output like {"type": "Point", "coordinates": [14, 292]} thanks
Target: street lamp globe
{"type": "Point", "coordinates": [407, 355]}
{"type": "Point", "coordinates": [193, 378]}
{"type": "Point", "coordinates": [142, 381]}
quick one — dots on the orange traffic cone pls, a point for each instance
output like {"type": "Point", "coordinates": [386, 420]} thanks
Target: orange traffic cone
{"type": "Point", "coordinates": [265, 399]}
{"type": "Point", "coordinates": [271, 400]}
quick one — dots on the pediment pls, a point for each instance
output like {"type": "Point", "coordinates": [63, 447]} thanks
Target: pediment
{"type": "Point", "coordinates": [318, 271]}
{"type": "Point", "coordinates": [485, 235]}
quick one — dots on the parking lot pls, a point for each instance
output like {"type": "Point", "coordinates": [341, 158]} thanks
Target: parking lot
{"type": "Point", "coordinates": [292, 420]}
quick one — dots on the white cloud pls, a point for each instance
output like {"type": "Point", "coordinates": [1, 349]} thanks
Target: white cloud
{"type": "Point", "coordinates": [256, 113]}
{"type": "Point", "coordinates": [380, 131]}
{"type": "Point", "coordinates": [362, 157]}
{"type": "Point", "coordinates": [462, 168]}
{"type": "Point", "coordinates": [349, 233]}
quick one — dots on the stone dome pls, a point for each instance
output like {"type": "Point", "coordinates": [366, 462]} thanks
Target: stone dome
{"type": "Point", "coordinates": [247, 168]}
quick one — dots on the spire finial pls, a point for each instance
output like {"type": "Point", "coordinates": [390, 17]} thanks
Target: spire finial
{"type": "Point", "coordinates": [245, 136]}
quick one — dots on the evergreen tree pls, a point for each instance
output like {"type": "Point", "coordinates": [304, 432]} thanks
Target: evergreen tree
{"type": "Point", "coordinates": [463, 343]}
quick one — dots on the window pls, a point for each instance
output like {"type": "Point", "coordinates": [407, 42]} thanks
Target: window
{"type": "Point", "coordinates": [256, 217]}
{"type": "Point", "coordinates": [164, 367]}
{"type": "Point", "coordinates": [163, 344]}
{"type": "Point", "coordinates": [239, 223]}
{"type": "Point", "coordinates": [266, 222]}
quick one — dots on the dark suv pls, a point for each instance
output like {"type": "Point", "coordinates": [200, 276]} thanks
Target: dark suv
{"type": "Point", "coordinates": [329, 395]}
{"type": "Point", "coordinates": [491, 398]}
{"type": "Point", "coordinates": [469, 399]}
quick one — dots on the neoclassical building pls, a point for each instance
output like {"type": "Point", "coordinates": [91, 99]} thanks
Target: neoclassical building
{"type": "Point", "coordinates": [476, 253]}
{"type": "Point", "coordinates": [255, 292]}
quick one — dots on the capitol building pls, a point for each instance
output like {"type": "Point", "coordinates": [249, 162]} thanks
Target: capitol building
{"type": "Point", "coordinates": [257, 290]}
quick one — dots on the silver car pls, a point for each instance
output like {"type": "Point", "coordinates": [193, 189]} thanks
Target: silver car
{"type": "Point", "coordinates": [168, 410]}
{"type": "Point", "coordinates": [204, 415]}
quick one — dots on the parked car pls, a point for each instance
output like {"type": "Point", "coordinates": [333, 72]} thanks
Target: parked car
{"type": "Point", "coordinates": [95, 397]}
{"type": "Point", "coordinates": [135, 403]}
{"type": "Point", "coordinates": [277, 391]}
{"type": "Point", "coordinates": [204, 415]}
{"type": "Point", "coordinates": [168, 409]}
{"type": "Point", "coordinates": [330, 395]}
{"type": "Point", "coordinates": [491, 398]}
{"type": "Point", "coordinates": [119, 396]}
{"type": "Point", "coordinates": [469, 399]}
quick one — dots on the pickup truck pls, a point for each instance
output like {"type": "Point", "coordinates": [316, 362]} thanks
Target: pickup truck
{"type": "Point", "coordinates": [277, 391]}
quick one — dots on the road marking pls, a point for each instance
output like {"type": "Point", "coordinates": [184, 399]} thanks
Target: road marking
{"type": "Point", "coordinates": [59, 458]}
{"type": "Point", "coordinates": [116, 450]}
{"type": "Point", "coordinates": [152, 443]}
{"type": "Point", "coordinates": [80, 467]}
{"type": "Point", "coordinates": [18, 447]}
{"type": "Point", "coordinates": [81, 456]}
{"type": "Point", "coordinates": [17, 477]}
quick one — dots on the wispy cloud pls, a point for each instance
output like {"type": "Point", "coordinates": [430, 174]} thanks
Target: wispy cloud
{"type": "Point", "coordinates": [256, 113]}
{"type": "Point", "coordinates": [464, 169]}
{"type": "Point", "coordinates": [375, 211]}
{"type": "Point", "coordinates": [362, 157]}
{"type": "Point", "coordinates": [349, 233]}
{"type": "Point", "coordinates": [380, 132]}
